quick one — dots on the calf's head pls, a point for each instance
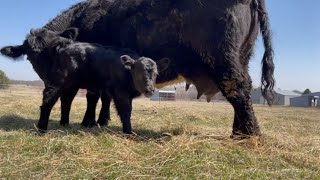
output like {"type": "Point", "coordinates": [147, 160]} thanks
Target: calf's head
{"type": "Point", "coordinates": [144, 72]}
{"type": "Point", "coordinates": [36, 43]}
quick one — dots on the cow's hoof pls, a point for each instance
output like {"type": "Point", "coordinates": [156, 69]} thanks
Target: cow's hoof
{"type": "Point", "coordinates": [103, 123]}
{"type": "Point", "coordinates": [132, 136]}
{"type": "Point", "coordinates": [39, 129]}
{"type": "Point", "coordinates": [250, 141]}
{"type": "Point", "coordinates": [89, 124]}
{"type": "Point", "coordinates": [64, 124]}
{"type": "Point", "coordinates": [239, 136]}
{"type": "Point", "coordinates": [127, 132]}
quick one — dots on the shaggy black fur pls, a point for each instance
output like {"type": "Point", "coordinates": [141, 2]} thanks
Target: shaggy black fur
{"type": "Point", "coordinates": [211, 40]}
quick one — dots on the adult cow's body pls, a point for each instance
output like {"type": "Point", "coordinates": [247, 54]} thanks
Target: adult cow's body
{"type": "Point", "coordinates": [209, 42]}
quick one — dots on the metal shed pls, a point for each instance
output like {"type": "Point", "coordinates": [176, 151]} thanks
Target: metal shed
{"type": "Point", "coordinates": [308, 100]}
{"type": "Point", "coordinates": [282, 97]}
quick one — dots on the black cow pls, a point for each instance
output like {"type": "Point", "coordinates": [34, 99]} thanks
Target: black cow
{"type": "Point", "coordinates": [119, 72]}
{"type": "Point", "coordinates": [207, 41]}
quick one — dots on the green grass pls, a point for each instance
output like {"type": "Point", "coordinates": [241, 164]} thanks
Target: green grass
{"type": "Point", "coordinates": [199, 148]}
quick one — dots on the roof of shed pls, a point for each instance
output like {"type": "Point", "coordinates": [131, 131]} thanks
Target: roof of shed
{"type": "Point", "coordinates": [286, 92]}
{"type": "Point", "coordinates": [311, 94]}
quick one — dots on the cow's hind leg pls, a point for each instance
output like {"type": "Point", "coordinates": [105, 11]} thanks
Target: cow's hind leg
{"type": "Point", "coordinates": [229, 64]}
{"type": "Point", "coordinates": [235, 84]}
{"type": "Point", "coordinates": [66, 101]}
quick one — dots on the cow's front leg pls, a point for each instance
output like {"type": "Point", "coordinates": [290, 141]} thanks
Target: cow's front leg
{"type": "Point", "coordinates": [124, 107]}
{"type": "Point", "coordinates": [50, 97]}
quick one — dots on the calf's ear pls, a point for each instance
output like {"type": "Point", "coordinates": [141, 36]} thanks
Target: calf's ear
{"type": "Point", "coordinates": [13, 51]}
{"type": "Point", "coordinates": [71, 33]}
{"type": "Point", "coordinates": [163, 64]}
{"type": "Point", "coordinates": [127, 61]}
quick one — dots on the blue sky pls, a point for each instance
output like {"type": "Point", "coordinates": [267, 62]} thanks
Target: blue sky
{"type": "Point", "coordinates": [295, 27]}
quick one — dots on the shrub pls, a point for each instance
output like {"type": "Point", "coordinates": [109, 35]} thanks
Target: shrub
{"type": "Point", "coordinates": [4, 80]}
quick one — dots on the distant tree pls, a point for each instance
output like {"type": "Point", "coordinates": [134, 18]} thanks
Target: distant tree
{"type": "Point", "coordinates": [4, 80]}
{"type": "Point", "coordinates": [307, 91]}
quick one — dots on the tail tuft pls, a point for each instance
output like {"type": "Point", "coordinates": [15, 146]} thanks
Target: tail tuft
{"type": "Point", "coordinates": [267, 78]}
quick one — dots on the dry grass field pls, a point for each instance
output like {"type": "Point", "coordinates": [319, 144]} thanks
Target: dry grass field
{"type": "Point", "coordinates": [175, 140]}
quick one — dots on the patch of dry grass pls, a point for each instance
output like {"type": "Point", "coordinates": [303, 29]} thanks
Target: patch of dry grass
{"type": "Point", "coordinates": [199, 147]}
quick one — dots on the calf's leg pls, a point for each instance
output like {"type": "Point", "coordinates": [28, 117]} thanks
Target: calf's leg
{"type": "Point", "coordinates": [124, 108]}
{"type": "Point", "coordinates": [89, 119]}
{"type": "Point", "coordinates": [50, 97]}
{"type": "Point", "coordinates": [104, 115]}
{"type": "Point", "coordinates": [66, 101]}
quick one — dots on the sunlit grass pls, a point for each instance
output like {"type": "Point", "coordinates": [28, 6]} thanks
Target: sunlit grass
{"type": "Point", "coordinates": [175, 140]}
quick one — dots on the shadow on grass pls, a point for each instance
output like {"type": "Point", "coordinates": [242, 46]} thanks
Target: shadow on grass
{"type": "Point", "coordinates": [16, 123]}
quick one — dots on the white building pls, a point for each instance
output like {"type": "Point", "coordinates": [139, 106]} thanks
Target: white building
{"type": "Point", "coordinates": [162, 95]}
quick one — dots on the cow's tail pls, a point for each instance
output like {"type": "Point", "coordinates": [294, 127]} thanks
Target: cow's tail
{"type": "Point", "coordinates": [267, 78]}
